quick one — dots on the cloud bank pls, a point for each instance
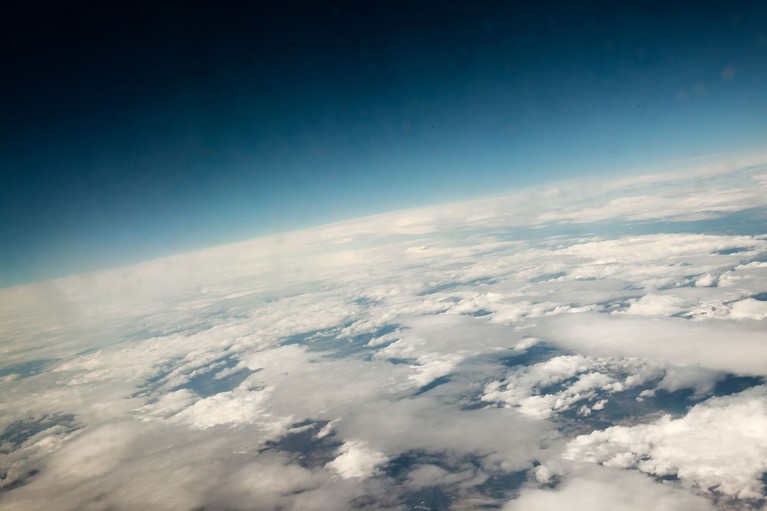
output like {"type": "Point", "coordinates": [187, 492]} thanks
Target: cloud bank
{"type": "Point", "coordinates": [477, 354]}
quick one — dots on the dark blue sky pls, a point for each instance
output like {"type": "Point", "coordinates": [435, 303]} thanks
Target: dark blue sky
{"type": "Point", "coordinates": [135, 130]}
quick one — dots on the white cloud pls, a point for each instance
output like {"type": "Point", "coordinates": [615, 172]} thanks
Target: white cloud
{"type": "Point", "coordinates": [356, 459]}
{"type": "Point", "coordinates": [663, 247]}
{"type": "Point", "coordinates": [169, 404]}
{"type": "Point", "coordinates": [501, 437]}
{"type": "Point", "coordinates": [720, 445]}
{"type": "Point", "coordinates": [717, 346]}
{"type": "Point", "coordinates": [575, 379]}
{"type": "Point", "coordinates": [690, 377]}
{"type": "Point", "coordinates": [608, 491]}
{"type": "Point", "coordinates": [655, 305]}
{"type": "Point", "coordinates": [681, 205]}
{"type": "Point", "coordinates": [235, 407]}
{"type": "Point", "coordinates": [129, 344]}
{"type": "Point", "coordinates": [706, 280]}
{"type": "Point", "coordinates": [430, 368]}
{"type": "Point", "coordinates": [134, 465]}
{"type": "Point", "coordinates": [749, 309]}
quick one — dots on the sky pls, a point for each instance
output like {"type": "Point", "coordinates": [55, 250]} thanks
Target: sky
{"type": "Point", "coordinates": [135, 131]}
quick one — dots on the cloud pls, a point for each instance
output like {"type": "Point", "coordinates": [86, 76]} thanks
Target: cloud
{"type": "Point", "coordinates": [706, 280]}
{"type": "Point", "coordinates": [720, 445]}
{"type": "Point", "coordinates": [716, 346]}
{"type": "Point", "coordinates": [655, 305]}
{"type": "Point", "coordinates": [690, 377]}
{"type": "Point", "coordinates": [608, 491]}
{"type": "Point", "coordinates": [543, 389]}
{"type": "Point", "coordinates": [355, 459]}
{"type": "Point", "coordinates": [169, 404]}
{"type": "Point", "coordinates": [380, 339]}
{"type": "Point", "coordinates": [749, 309]}
{"type": "Point", "coordinates": [234, 408]}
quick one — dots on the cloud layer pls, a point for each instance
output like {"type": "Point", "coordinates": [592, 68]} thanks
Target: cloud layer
{"type": "Point", "coordinates": [478, 354]}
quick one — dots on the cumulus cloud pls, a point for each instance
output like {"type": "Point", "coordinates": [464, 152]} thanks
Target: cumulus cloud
{"type": "Point", "coordinates": [355, 459]}
{"type": "Point", "coordinates": [608, 491]}
{"type": "Point", "coordinates": [233, 408]}
{"type": "Point", "coordinates": [720, 445]}
{"type": "Point", "coordinates": [749, 309]}
{"type": "Point", "coordinates": [690, 377]}
{"type": "Point", "coordinates": [543, 389]}
{"type": "Point", "coordinates": [655, 305]}
{"type": "Point", "coordinates": [705, 280]}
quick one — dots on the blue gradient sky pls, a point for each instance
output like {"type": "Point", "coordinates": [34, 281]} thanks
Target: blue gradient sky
{"type": "Point", "coordinates": [131, 133]}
